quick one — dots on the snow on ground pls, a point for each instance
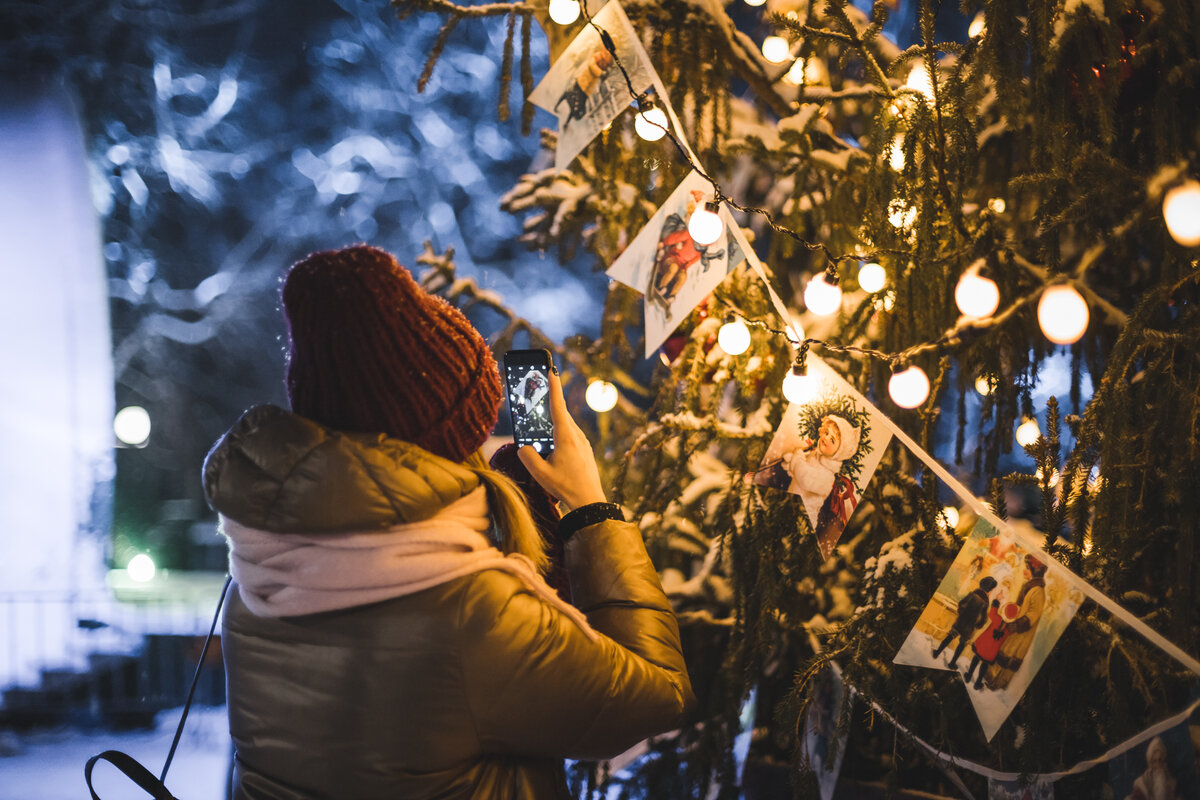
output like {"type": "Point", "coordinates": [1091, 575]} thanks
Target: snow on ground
{"type": "Point", "coordinates": [48, 765]}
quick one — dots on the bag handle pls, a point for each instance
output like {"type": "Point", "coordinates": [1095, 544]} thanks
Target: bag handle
{"type": "Point", "coordinates": [128, 764]}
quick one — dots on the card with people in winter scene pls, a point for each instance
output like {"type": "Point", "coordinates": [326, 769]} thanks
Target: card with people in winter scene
{"type": "Point", "coordinates": [826, 450]}
{"type": "Point", "coordinates": [994, 617]}
{"type": "Point", "coordinates": [1161, 768]}
{"type": "Point", "coordinates": [586, 89]}
{"type": "Point", "coordinates": [666, 265]}
{"type": "Point", "coordinates": [824, 743]}
{"type": "Point", "coordinates": [1016, 790]}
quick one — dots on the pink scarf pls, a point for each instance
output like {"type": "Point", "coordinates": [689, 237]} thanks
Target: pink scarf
{"type": "Point", "coordinates": [288, 574]}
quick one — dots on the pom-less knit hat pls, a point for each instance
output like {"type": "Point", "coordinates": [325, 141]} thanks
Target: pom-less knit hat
{"type": "Point", "coordinates": [373, 352]}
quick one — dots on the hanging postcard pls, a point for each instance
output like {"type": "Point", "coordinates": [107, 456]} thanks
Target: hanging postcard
{"type": "Point", "coordinates": [666, 265]}
{"type": "Point", "coordinates": [994, 618]}
{"type": "Point", "coordinates": [826, 450]}
{"type": "Point", "coordinates": [824, 746]}
{"type": "Point", "coordinates": [585, 87]}
{"type": "Point", "coordinates": [1164, 766]}
{"type": "Point", "coordinates": [1015, 790]}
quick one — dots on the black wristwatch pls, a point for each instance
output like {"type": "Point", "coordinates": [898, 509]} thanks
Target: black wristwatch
{"type": "Point", "coordinates": [588, 515]}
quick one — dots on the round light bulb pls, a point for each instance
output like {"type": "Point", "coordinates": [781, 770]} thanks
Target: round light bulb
{"type": "Point", "coordinates": [983, 385]}
{"type": "Point", "coordinates": [564, 12]}
{"type": "Point", "coordinates": [705, 225]}
{"type": "Point", "coordinates": [734, 337]}
{"type": "Point", "coordinates": [776, 49]}
{"type": "Point", "coordinates": [1181, 212]}
{"type": "Point", "coordinates": [822, 297]}
{"type": "Point", "coordinates": [140, 568]}
{"type": "Point", "coordinates": [920, 81]}
{"type": "Point", "coordinates": [651, 124]}
{"type": "Point", "coordinates": [132, 426]}
{"type": "Point", "coordinates": [871, 277]}
{"type": "Point", "coordinates": [804, 70]}
{"type": "Point", "coordinates": [997, 205]}
{"type": "Point", "coordinates": [977, 27]}
{"type": "Point", "coordinates": [975, 295]}
{"type": "Point", "coordinates": [901, 214]}
{"type": "Point", "coordinates": [951, 515]}
{"type": "Point", "coordinates": [909, 388]}
{"type": "Point", "coordinates": [600, 395]}
{"type": "Point", "coordinates": [799, 388]}
{"type": "Point", "coordinates": [1063, 314]}
{"type": "Point", "coordinates": [1028, 432]}
{"type": "Point", "coordinates": [755, 3]}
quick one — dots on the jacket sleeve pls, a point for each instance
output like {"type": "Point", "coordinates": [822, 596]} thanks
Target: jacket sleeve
{"type": "Point", "coordinates": [537, 685]}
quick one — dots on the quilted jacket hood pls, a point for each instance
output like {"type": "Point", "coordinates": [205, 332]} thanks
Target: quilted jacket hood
{"type": "Point", "coordinates": [280, 472]}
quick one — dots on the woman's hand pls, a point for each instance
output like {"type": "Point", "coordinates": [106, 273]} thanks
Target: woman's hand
{"type": "Point", "coordinates": [570, 474]}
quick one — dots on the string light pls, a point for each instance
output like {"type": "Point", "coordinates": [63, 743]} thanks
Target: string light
{"type": "Point", "coordinates": [141, 568]}
{"type": "Point", "coordinates": [705, 224]}
{"type": "Point", "coordinates": [1181, 212]}
{"type": "Point", "coordinates": [951, 515]}
{"type": "Point", "coordinates": [1028, 432]}
{"type": "Point", "coordinates": [776, 49]}
{"type": "Point", "coordinates": [755, 3]}
{"type": "Point", "coordinates": [975, 295]}
{"type": "Point", "coordinates": [901, 214]}
{"type": "Point", "coordinates": [919, 80]}
{"type": "Point", "coordinates": [564, 12]}
{"type": "Point", "coordinates": [799, 386]}
{"type": "Point", "coordinates": [872, 277]}
{"type": "Point", "coordinates": [132, 426]}
{"type": "Point", "coordinates": [734, 337]}
{"type": "Point", "coordinates": [984, 385]}
{"type": "Point", "coordinates": [997, 205]}
{"type": "Point", "coordinates": [822, 297]}
{"type": "Point", "coordinates": [651, 124]}
{"type": "Point", "coordinates": [1055, 477]}
{"type": "Point", "coordinates": [804, 70]}
{"type": "Point", "coordinates": [978, 26]}
{"type": "Point", "coordinates": [601, 395]}
{"type": "Point", "coordinates": [909, 387]}
{"type": "Point", "coordinates": [1062, 314]}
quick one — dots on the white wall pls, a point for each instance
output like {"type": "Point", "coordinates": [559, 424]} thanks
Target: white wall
{"type": "Point", "coordinates": [56, 383]}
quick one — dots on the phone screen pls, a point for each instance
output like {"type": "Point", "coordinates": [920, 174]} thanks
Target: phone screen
{"type": "Point", "coordinates": [527, 383]}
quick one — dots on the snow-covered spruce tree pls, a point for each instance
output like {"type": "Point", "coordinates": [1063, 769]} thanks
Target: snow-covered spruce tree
{"type": "Point", "coordinates": [1037, 150]}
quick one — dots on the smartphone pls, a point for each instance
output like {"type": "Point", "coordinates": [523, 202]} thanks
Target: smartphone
{"type": "Point", "coordinates": [527, 384]}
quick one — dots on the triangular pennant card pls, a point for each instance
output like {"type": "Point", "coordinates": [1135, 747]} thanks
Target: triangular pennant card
{"type": "Point", "coordinates": [665, 264]}
{"type": "Point", "coordinates": [585, 87]}
{"type": "Point", "coordinates": [1016, 790]}
{"type": "Point", "coordinates": [826, 449]}
{"type": "Point", "coordinates": [824, 732]}
{"type": "Point", "coordinates": [995, 617]}
{"type": "Point", "coordinates": [1161, 764]}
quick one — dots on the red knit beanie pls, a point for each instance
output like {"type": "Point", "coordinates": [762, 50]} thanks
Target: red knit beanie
{"type": "Point", "coordinates": [373, 352]}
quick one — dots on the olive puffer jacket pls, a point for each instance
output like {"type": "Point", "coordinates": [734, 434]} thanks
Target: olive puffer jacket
{"type": "Point", "coordinates": [475, 688]}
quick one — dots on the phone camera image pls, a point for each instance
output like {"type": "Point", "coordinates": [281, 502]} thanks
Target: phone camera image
{"type": "Point", "coordinates": [527, 380]}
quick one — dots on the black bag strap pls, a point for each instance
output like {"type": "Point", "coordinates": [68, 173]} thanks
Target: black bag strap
{"type": "Point", "coordinates": [132, 769]}
{"type": "Point", "coordinates": [128, 764]}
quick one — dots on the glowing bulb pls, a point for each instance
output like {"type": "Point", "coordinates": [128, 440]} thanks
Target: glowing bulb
{"type": "Point", "coordinates": [140, 568]}
{"type": "Point", "coordinates": [132, 426]}
{"type": "Point", "coordinates": [776, 49]}
{"type": "Point", "coordinates": [885, 303]}
{"type": "Point", "coordinates": [1028, 432]}
{"type": "Point", "coordinates": [755, 3]}
{"type": "Point", "coordinates": [564, 12]}
{"type": "Point", "coordinates": [977, 27]}
{"type": "Point", "coordinates": [983, 385]}
{"type": "Point", "coordinates": [734, 337]}
{"type": "Point", "coordinates": [799, 388]}
{"type": "Point", "coordinates": [651, 124]}
{"type": "Point", "coordinates": [975, 295]}
{"type": "Point", "coordinates": [909, 388]}
{"type": "Point", "coordinates": [1063, 314]}
{"type": "Point", "coordinates": [705, 224]}
{"type": "Point", "coordinates": [1055, 477]}
{"type": "Point", "coordinates": [997, 204]}
{"type": "Point", "coordinates": [1181, 212]}
{"type": "Point", "coordinates": [896, 153]}
{"type": "Point", "coordinates": [951, 515]}
{"type": "Point", "coordinates": [822, 297]}
{"type": "Point", "coordinates": [600, 395]}
{"type": "Point", "coordinates": [871, 277]}
{"type": "Point", "coordinates": [919, 80]}
{"type": "Point", "coordinates": [804, 70]}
